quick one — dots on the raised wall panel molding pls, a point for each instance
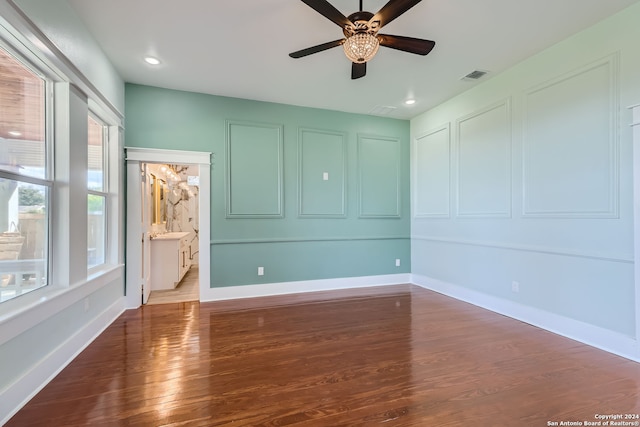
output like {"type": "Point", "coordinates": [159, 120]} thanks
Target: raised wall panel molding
{"type": "Point", "coordinates": [619, 258]}
{"type": "Point", "coordinates": [322, 187]}
{"type": "Point", "coordinates": [432, 195]}
{"type": "Point", "coordinates": [483, 162]}
{"type": "Point", "coordinates": [255, 170]}
{"type": "Point", "coordinates": [570, 144]}
{"type": "Point", "coordinates": [379, 188]}
{"type": "Point", "coordinates": [635, 111]}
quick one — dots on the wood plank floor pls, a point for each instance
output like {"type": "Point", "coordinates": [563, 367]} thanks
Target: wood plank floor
{"type": "Point", "coordinates": [391, 356]}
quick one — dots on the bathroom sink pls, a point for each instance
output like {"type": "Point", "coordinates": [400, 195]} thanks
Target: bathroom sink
{"type": "Point", "coordinates": [174, 235]}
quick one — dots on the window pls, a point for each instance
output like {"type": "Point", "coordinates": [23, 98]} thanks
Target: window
{"type": "Point", "coordinates": [97, 193]}
{"type": "Point", "coordinates": [25, 178]}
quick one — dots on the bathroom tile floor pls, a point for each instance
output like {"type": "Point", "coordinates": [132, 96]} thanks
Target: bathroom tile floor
{"type": "Point", "coordinates": [187, 290]}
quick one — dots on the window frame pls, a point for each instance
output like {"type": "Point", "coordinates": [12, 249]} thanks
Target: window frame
{"type": "Point", "coordinates": [40, 70]}
{"type": "Point", "coordinates": [104, 193]}
{"type": "Point", "coordinates": [59, 88]}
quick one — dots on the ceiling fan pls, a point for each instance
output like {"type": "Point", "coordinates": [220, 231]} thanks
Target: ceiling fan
{"type": "Point", "coordinates": [361, 39]}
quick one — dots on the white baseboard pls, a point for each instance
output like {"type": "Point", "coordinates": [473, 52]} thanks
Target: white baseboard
{"type": "Point", "coordinates": [594, 336]}
{"type": "Point", "coordinates": [16, 395]}
{"type": "Point", "coordinates": [283, 288]}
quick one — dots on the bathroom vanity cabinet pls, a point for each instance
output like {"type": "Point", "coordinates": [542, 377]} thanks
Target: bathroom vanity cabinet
{"type": "Point", "coordinates": [170, 259]}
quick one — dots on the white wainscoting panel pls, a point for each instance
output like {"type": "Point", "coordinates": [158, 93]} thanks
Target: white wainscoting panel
{"type": "Point", "coordinates": [484, 162]}
{"type": "Point", "coordinates": [570, 144]}
{"type": "Point", "coordinates": [433, 172]}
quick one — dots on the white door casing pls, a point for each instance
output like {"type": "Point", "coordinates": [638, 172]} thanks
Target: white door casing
{"type": "Point", "coordinates": [135, 264]}
{"type": "Point", "coordinates": [145, 236]}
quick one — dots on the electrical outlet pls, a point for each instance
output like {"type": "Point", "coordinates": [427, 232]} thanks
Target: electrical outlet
{"type": "Point", "coordinates": [397, 262]}
{"type": "Point", "coordinates": [260, 271]}
{"type": "Point", "coordinates": [515, 286]}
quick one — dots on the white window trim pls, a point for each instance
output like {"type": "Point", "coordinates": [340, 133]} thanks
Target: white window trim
{"type": "Point", "coordinates": [33, 49]}
{"type": "Point", "coordinates": [106, 162]}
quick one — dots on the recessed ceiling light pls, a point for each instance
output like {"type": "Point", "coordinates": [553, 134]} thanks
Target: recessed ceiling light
{"type": "Point", "coordinates": [151, 60]}
{"type": "Point", "coordinates": [410, 101]}
{"type": "Point", "coordinates": [14, 133]}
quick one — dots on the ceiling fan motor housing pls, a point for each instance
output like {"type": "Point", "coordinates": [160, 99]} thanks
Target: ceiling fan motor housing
{"type": "Point", "coordinates": [360, 22]}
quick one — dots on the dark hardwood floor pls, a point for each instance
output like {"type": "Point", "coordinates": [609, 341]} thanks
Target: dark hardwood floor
{"type": "Point", "coordinates": [390, 356]}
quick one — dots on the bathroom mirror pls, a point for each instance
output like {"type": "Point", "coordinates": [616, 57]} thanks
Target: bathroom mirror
{"type": "Point", "coordinates": [162, 200]}
{"type": "Point", "coordinates": [159, 190]}
{"type": "Point", "coordinates": [152, 189]}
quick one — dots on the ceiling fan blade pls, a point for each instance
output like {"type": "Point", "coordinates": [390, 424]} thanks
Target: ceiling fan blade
{"type": "Point", "coordinates": [325, 9]}
{"type": "Point", "coordinates": [316, 49]}
{"type": "Point", "coordinates": [406, 44]}
{"type": "Point", "coordinates": [358, 70]}
{"type": "Point", "coordinates": [392, 10]}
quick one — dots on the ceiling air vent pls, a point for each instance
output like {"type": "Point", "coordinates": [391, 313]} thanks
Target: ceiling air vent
{"type": "Point", "coordinates": [474, 75]}
{"type": "Point", "coordinates": [382, 110]}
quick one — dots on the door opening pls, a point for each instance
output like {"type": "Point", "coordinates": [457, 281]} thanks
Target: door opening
{"type": "Point", "coordinates": [168, 217]}
{"type": "Point", "coordinates": [173, 259]}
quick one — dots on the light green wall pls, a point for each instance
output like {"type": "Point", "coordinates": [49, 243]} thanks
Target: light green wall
{"type": "Point", "coordinates": [297, 226]}
{"type": "Point", "coordinates": [537, 186]}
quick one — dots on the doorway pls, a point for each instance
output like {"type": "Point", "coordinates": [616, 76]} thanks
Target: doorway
{"type": "Point", "coordinates": [152, 223]}
{"type": "Point", "coordinates": [172, 204]}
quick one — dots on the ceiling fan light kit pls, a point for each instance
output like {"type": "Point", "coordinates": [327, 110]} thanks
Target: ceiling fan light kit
{"type": "Point", "coordinates": [361, 47]}
{"type": "Point", "coordinates": [362, 41]}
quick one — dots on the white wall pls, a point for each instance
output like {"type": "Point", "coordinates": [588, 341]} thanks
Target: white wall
{"type": "Point", "coordinates": [42, 331]}
{"type": "Point", "coordinates": [527, 177]}
{"type": "Point", "coordinates": [61, 25]}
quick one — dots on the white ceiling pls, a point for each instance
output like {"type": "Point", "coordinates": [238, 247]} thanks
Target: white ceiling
{"type": "Point", "coordinates": [240, 48]}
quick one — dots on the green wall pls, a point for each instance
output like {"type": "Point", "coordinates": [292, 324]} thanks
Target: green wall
{"type": "Point", "coordinates": [271, 205]}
